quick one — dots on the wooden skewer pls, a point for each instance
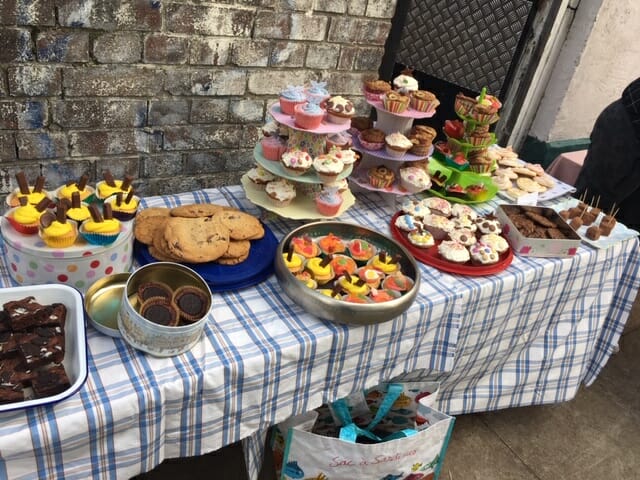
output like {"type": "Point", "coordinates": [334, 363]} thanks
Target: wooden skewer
{"type": "Point", "coordinates": [613, 214]}
{"type": "Point", "coordinates": [584, 195]}
{"type": "Point", "coordinates": [613, 207]}
{"type": "Point", "coordinates": [597, 200]}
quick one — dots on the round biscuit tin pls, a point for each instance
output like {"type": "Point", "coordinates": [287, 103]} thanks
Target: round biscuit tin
{"type": "Point", "coordinates": [30, 262]}
{"type": "Point", "coordinates": [150, 337]}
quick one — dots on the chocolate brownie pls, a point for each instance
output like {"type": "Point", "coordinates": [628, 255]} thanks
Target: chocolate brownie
{"type": "Point", "coordinates": [21, 310]}
{"type": "Point", "coordinates": [53, 315]}
{"type": "Point", "coordinates": [13, 370]}
{"type": "Point", "coordinates": [8, 344]}
{"type": "Point", "coordinates": [5, 326]}
{"type": "Point", "coordinates": [50, 381]}
{"type": "Point", "coordinates": [42, 346]}
{"type": "Point", "coordinates": [11, 393]}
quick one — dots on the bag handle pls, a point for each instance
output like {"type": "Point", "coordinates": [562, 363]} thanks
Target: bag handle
{"type": "Point", "coordinates": [351, 432]}
{"type": "Point", "coordinates": [394, 390]}
{"type": "Point", "coordinates": [341, 409]}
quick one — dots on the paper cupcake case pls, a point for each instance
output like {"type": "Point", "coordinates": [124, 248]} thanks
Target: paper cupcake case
{"type": "Point", "coordinates": [30, 262]}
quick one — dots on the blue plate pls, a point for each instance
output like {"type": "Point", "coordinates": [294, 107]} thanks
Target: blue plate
{"type": "Point", "coordinates": [221, 278]}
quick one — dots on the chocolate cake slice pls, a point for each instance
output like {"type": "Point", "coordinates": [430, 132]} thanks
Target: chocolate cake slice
{"type": "Point", "coordinates": [50, 381]}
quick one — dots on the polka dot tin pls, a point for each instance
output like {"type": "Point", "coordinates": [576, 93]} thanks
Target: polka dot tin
{"type": "Point", "coordinates": [30, 262]}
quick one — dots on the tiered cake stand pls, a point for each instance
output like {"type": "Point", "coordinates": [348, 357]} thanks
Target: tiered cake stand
{"type": "Point", "coordinates": [303, 206]}
{"type": "Point", "coordinates": [389, 123]}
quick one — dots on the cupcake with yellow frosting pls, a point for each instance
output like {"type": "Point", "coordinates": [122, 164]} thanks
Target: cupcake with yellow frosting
{"type": "Point", "coordinates": [34, 194]}
{"type": "Point", "coordinates": [109, 186]}
{"type": "Point", "coordinates": [385, 263]}
{"type": "Point", "coordinates": [293, 261]}
{"type": "Point", "coordinates": [57, 231]}
{"type": "Point", "coordinates": [124, 206]}
{"type": "Point", "coordinates": [78, 211]}
{"type": "Point", "coordinates": [85, 191]}
{"type": "Point", "coordinates": [321, 269]}
{"type": "Point", "coordinates": [353, 284]}
{"type": "Point", "coordinates": [25, 219]}
{"type": "Point", "coordinates": [101, 228]}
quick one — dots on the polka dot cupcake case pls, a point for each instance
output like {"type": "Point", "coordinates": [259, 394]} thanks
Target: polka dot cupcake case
{"type": "Point", "coordinates": [30, 262]}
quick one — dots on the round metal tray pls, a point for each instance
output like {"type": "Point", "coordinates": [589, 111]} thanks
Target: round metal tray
{"type": "Point", "coordinates": [337, 310]}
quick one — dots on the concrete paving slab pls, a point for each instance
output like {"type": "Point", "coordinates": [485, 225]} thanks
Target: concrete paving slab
{"type": "Point", "coordinates": [476, 453]}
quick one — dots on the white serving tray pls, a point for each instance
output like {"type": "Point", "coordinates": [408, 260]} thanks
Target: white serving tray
{"type": "Point", "coordinates": [75, 357]}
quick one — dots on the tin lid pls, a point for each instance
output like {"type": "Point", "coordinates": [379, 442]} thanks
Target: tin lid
{"type": "Point", "coordinates": [33, 244]}
{"type": "Point", "coordinates": [102, 302]}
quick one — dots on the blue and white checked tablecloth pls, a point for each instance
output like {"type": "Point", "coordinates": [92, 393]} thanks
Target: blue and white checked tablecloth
{"type": "Point", "coordinates": [529, 335]}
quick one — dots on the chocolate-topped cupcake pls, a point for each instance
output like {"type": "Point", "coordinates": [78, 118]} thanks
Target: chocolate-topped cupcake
{"type": "Point", "coordinates": [192, 302]}
{"type": "Point", "coordinates": [161, 311]}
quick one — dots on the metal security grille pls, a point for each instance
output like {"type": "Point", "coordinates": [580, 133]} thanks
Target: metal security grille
{"type": "Point", "coordinates": [470, 43]}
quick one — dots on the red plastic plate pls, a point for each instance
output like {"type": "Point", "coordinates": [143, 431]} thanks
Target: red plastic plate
{"type": "Point", "coordinates": [430, 256]}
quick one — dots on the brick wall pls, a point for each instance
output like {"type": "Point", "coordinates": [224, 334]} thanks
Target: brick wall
{"type": "Point", "coordinates": [171, 92]}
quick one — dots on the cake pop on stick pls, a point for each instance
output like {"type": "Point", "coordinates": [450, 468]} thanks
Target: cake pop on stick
{"type": "Point", "coordinates": [593, 232]}
{"type": "Point", "coordinates": [576, 222]}
{"type": "Point", "coordinates": [595, 210]}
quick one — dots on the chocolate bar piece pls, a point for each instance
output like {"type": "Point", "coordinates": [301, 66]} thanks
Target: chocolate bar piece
{"type": "Point", "coordinates": [50, 381]}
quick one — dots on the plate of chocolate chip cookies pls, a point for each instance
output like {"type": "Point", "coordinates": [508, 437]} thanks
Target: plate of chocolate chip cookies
{"type": "Point", "coordinates": [229, 248]}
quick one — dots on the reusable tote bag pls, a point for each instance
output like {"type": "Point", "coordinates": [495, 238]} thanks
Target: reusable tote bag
{"type": "Point", "coordinates": [404, 440]}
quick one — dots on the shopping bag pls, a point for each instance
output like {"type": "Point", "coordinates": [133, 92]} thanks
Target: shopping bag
{"type": "Point", "coordinates": [400, 438]}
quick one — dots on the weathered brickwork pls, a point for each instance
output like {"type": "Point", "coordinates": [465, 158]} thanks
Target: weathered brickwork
{"type": "Point", "coordinates": [171, 92]}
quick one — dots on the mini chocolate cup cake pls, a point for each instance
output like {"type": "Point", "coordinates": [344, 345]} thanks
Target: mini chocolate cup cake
{"type": "Point", "coordinates": [161, 311]}
{"type": "Point", "coordinates": [192, 303]}
{"type": "Point", "coordinates": [147, 290]}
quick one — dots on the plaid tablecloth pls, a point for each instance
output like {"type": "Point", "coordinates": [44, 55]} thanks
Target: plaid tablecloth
{"type": "Point", "coordinates": [529, 335]}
